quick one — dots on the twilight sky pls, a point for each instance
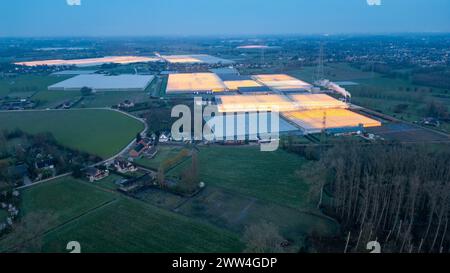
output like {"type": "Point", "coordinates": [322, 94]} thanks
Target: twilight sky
{"type": "Point", "coordinates": [219, 17]}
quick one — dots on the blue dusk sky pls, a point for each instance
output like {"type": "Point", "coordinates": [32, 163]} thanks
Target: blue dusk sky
{"type": "Point", "coordinates": [219, 17]}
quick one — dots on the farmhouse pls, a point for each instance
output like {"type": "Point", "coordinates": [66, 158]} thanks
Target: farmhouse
{"type": "Point", "coordinates": [124, 166]}
{"type": "Point", "coordinates": [45, 164]}
{"type": "Point", "coordinates": [98, 82]}
{"type": "Point", "coordinates": [140, 147]}
{"type": "Point", "coordinates": [126, 104]}
{"type": "Point", "coordinates": [94, 174]}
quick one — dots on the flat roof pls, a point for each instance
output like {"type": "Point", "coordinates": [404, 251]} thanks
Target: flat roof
{"type": "Point", "coordinates": [194, 82]}
{"type": "Point", "coordinates": [234, 77]}
{"type": "Point", "coordinates": [282, 82]}
{"type": "Point", "coordinates": [92, 61]}
{"type": "Point", "coordinates": [317, 101]}
{"type": "Point", "coordinates": [225, 71]}
{"type": "Point", "coordinates": [313, 120]}
{"type": "Point", "coordinates": [235, 85]}
{"type": "Point", "coordinates": [254, 103]}
{"type": "Point", "coordinates": [195, 58]}
{"type": "Point", "coordinates": [104, 82]}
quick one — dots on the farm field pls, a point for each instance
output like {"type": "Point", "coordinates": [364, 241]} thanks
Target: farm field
{"type": "Point", "coordinates": [108, 99]}
{"type": "Point", "coordinates": [109, 222]}
{"type": "Point", "coordinates": [158, 87]}
{"type": "Point", "coordinates": [334, 72]}
{"type": "Point", "coordinates": [236, 212]}
{"type": "Point", "coordinates": [26, 85]}
{"type": "Point", "coordinates": [109, 183]}
{"type": "Point", "coordinates": [269, 176]}
{"type": "Point", "coordinates": [65, 198]}
{"type": "Point", "coordinates": [98, 132]}
{"type": "Point", "coordinates": [164, 153]}
{"type": "Point", "coordinates": [396, 97]}
{"type": "Point", "coordinates": [50, 99]}
{"type": "Point", "coordinates": [261, 187]}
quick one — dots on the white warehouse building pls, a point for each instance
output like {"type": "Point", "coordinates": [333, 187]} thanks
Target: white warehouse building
{"type": "Point", "coordinates": [98, 82]}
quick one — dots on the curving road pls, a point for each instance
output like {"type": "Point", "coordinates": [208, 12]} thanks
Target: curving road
{"type": "Point", "coordinates": [124, 150]}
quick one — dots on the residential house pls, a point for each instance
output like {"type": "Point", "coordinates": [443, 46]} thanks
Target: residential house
{"type": "Point", "coordinates": [95, 174]}
{"type": "Point", "coordinates": [163, 138]}
{"type": "Point", "coordinates": [45, 164]}
{"type": "Point", "coordinates": [140, 147]}
{"type": "Point", "coordinates": [126, 104]}
{"type": "Point", "coordinates": [124, 166]}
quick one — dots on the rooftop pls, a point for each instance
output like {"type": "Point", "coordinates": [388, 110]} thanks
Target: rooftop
{"type": "Point", "coordinates": [194, 82]}
{"type": "Point", "coordinates": [92, 61]}
{"type": "Point", "coordinates": [254, 103]}
{"type": "Point", "coordinates": [317, 101]}
{"type": "Point", "coordinates": [282, 82]}
{"type": "Point", "coordinates": [104, 82]}
{"type": "Point", "coordinates": [195, 58]}
{"type": "Point", "coordinates": [316, 120]}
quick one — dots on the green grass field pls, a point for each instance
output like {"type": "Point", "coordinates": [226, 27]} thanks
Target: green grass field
{"type": "Point", "coordinates": [236, 211]}
{"type": "Point", "coordinates": [268, 176]}
{"type": "Point", "coordinates": [108, 99]}
{"type": "Point", "coordinates": [26, 85]}
{"type": "Point", "coordinates": [386, 94]}
{"type": "Point", "coordinates": [65, 198]}
{"type": "Point", "coordinates": [334, 72]}
{"type": "Point", "coordinates": [99, 132]}
{"type": "Point", "coordinates": [51, 99]}
{"type": "Point", "coordinates": [164, 153]}
{"type": "Point", "coordinates": [104, 221]}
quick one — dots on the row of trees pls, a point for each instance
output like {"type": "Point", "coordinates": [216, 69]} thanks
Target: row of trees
{"type": "Point", "coordinates": [396, 194]}
{"type": "Point", "coordinates": [17, 147]}
{"type": "Point", "coordinates": [189, 176]}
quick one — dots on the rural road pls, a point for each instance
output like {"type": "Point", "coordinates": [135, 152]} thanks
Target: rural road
{"type": "Point", "coordinates": [96, 164]}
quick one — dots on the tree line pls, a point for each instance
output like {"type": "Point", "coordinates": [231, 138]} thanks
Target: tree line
{"type": "Point", "coordinates": [396, 194]}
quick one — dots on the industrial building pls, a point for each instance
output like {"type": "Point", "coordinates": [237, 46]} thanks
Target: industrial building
{"type": "Point", "coordinates": [254, 103]}
{"type": "Point", "coordinates": [331, 120]}
{"type": "Point", "coordinates": [283, 83]}
{"type": "Point", "coordinates": [293, 98]}
{"type": "Point", "coordinates": [92, 61]}
{"type": "Point", "coordinates": [195, 59]}
{"type": "Point", "coordinates": [311, 113]}
{"type": "Point", "coordinates": [317, 101]}
{"type": "Point", "coordinates": [99, 82]}
{"type": "Point", "coordinates": [228, 79]}
{"type": "Point", "coordinates": [194, 83]}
